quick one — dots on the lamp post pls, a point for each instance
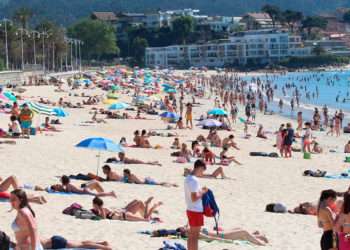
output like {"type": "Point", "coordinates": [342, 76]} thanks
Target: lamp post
{"type": "Point", "coordinates": [22, 47]}
{"type": "Point", "coordinates": [35, 33]}
{"type": "Point", "coordinates": [44, 33]}
{"type": "Point", "coordinates": [5, 20]}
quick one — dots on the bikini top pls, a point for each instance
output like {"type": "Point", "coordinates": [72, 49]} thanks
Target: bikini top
{"type": "Point", "coordinates": [15, 226]}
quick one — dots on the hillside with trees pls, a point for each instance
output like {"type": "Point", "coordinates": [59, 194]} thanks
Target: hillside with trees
{"type": "Point", "coordinates": [67, 11]}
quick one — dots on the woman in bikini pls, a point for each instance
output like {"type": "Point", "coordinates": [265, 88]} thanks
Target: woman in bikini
{"type": "Point", "coordinates": [24, 226]}
{"type": "Point", "coordinates": [224, 158]}
{"type": "Point", "coordinates": [326, 218]}
{"type": "Point", "coordinates": [125, 160]}
{"type": "Point", "coordinates": [67, 187]}
{"type": "Point", "coordinates": [134, 211]}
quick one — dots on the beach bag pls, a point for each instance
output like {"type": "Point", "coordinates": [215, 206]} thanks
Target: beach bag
{"type": "Point", "coordinates": [72, 209]}
{"type": "Point", "coordinates": [210, 207]}
{"type": "Point", "coordinates": [4, 241]}
{"type": "Point", "coordinates": [273, 155]}
{"type": "Point", "coordinates": [32, 131]}
{"type": "Point", "coordinates": [85, 214]}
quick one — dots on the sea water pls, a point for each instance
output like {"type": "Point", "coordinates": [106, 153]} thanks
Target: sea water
{"type": "Point", "coordinates": [333, 88]}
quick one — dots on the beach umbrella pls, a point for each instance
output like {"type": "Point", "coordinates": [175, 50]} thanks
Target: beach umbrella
{"type": "Point", "coordinates": [167, 86]}
{"type": "Point", "coordinates": [40, 109]}
{"type": "Point", "coordinates": [60, 112]}
{"type": "Point", "coordinates": [115, 87]}
{"type": "Point", "coordinates": [217, 111]}
{"type": "Point", "coordinates": [100, 144]}
{"type": "Point", "coordinates": [209, 123]}
{"type": "Point", "coordinates": [170, 90]}
{"type": "Point", "coordinates": [111, 95]}
{"type": "Point", "coordinates": [169, 115]}
{"type": "Point", "coordinates": [117, 106]}
{"type": "Point", "coordinates": [109, 101]}
{"type": "Point", "coordinates": [10, 96]}
{"type": "Point", "coordinates": [2, 97]}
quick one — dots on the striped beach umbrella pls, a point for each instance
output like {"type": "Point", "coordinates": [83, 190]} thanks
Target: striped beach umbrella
{"type": "Point", "coordinates": [40, 109]}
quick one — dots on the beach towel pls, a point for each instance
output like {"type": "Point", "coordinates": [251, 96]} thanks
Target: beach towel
{"type": "Point", "coordinates": [317, 173]}
{"type": "Point", "coordinates": [263, 154]}
{"type": "Point", "coordinates": [172, 246]}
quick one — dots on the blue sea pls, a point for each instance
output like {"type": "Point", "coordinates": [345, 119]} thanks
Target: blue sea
{"type": "Point", "coordinates": [330, 86]}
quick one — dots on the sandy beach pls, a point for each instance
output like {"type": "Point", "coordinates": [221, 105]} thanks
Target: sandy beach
{"type": "Point", "coordinates": [242, 199]}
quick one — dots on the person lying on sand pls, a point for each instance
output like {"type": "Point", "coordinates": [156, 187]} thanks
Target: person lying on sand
{"type": "Point", "coordinates": [67, 187]}
{"type": "Point", "coordinates": [111, 175]}
{"type": "Point", "coordinates": [306, 208]}
{"type": "Point", "coordinates": [255, 238]}
{"type": "Point", "coordinates": [134, 211]}
{"type": "Point", "coordinates": [129, 177]}
{"type": "Point", "coordinates": [217, 173]}
{"type": "Point", "coordinates": [126, 160]}
{"type": "Point", "coordinates": [58, 242]}
{"type": "Point", "coordinates": [13, 182]}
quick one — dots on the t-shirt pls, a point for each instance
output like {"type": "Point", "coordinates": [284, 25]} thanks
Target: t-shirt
{"type": "Point", "coordinates": [16, 128]}
{"type": "Point", "coordinates": [192, 186]}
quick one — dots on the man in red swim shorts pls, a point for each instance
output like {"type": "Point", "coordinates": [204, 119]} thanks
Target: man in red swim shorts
{"type": "Point", "coordinates": [193, 197]}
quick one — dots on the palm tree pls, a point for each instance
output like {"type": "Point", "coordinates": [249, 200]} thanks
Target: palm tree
{"type": "Point", "coordinates": [22, 16]}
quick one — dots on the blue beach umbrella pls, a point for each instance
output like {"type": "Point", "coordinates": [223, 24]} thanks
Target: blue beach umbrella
{"type": "Point", "coordinates": [100, 144]}
{"type": "Point", "coordinates": [167, 86]}
{"type": "Point", "coordinates": [10, 96]}
{"type": "Point", "coordinates": [169, 115]}
{"type": "Point", "coordinates": [117, 106]}
{"type": "Point", "coordinates": [217, 111]}
{"type": "Point", "coordinates": [170, 90]}
{"type": "Point", "coordinates": [60, 112]}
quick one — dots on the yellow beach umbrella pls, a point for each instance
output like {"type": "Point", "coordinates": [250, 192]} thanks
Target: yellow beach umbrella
{"type": "Point", "coordinates": [109, 101]}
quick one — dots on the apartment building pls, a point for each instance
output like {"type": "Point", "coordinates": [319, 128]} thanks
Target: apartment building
{"type": "Point", "coordinates": [258, 46]}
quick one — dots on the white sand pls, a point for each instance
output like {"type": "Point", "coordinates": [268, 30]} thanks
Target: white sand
{"type": "Point", "coordinates": [242, 200]}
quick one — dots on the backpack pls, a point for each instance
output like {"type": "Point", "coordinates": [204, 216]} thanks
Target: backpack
{"type": "Point", "coordinates": [210, 207]}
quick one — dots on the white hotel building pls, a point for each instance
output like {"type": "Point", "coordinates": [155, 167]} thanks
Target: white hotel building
{"type": "Point", "coordinates": [258, 46]}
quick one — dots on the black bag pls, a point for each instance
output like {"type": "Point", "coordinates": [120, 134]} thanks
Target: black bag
{"type": "Point", "coordinates": [4, 241]}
